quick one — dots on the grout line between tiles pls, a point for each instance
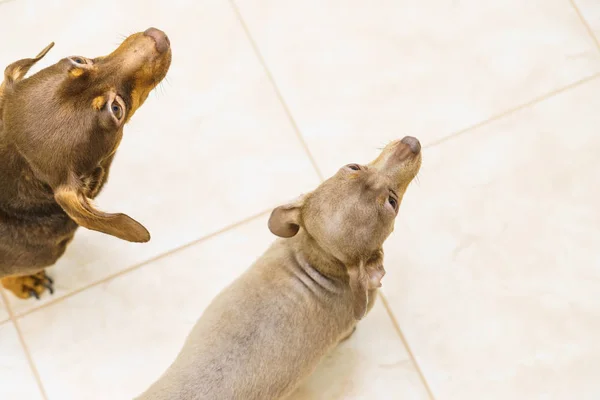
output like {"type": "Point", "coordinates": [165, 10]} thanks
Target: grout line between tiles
{"type": "Point", "coordinates": [143, 263]}
{"type": "Point", "coordinates": [513, 110]}
{"type": "Point", "coordinates": [434, 143]}
{"type": "Point", "coordinates": [405, 342]}
{"type": "Point", "coordinates": [30, 361]}
{"type": "Point", "coordinates": [283, 103]}
{"type": "Point", "coordinates": [585, 23]}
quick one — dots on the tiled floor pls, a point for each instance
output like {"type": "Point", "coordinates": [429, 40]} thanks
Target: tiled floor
{"type": "Point", "coordinates": [493, 273]}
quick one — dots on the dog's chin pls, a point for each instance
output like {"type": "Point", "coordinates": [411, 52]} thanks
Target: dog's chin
{"type": "Point", "coordinates": [408, 171]}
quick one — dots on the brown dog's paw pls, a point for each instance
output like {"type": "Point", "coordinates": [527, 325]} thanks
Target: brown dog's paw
{"type": "Point", "coordinates": [28, 286]}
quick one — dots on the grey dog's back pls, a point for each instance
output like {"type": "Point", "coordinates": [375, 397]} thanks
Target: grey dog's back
{"type": "Point", "coordinates": [260, 334]}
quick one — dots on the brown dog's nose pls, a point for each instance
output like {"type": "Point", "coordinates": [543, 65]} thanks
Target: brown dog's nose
{"type": "Point", "coordinates": [413, 143]}
{"type": "Point", "coordinates": [160, 38]}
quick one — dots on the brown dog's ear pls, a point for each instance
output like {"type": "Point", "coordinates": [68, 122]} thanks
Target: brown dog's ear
{"type": "Point", "coordinates": [364, 277]}
{"type": "Point", "coordinates": [17, 70]}
{"type": "Point", "coordinates": [80, 209]}
{"type": "Point", "coordinates": [285, 220]}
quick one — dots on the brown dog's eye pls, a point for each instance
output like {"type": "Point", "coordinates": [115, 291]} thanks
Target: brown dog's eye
{"type": "Point", "coordinates": [80, 60]}
{"type": "Point", "coordinates": [116, 107]}
{"type": "Point", "coordinates": [354, 167]}
{"type": "Point", "coordinates": [117, 110]}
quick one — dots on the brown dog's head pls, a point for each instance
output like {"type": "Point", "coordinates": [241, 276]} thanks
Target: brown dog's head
{"type": "Point", "coordinates": [67, 121]}
{"type": "Point", "coordinates": [351, 214]}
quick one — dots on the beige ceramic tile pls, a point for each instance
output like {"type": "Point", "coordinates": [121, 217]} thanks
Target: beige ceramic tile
{"type": "Point", "coordinates": [494, 269]}
{"type": "Point", "coordinates": [16, 378]}
{"type": "Point", "coordinates": [358, 74]}
{"type": "Point", "coordinates": [113, 340]}
{"type": "Point", "coordinates": [212, 147]}
{"type": "Point", "coordinates": [590, 10]}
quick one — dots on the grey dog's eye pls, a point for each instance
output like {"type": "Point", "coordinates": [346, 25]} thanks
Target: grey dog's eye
{"type": "Point", "coordinates": [393, 202]}
{"type": "Point", "coordinates": [354, 167]}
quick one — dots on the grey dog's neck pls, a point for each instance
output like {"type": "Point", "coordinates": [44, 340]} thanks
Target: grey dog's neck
{"type": "Point", "coordinates": [316, 261]}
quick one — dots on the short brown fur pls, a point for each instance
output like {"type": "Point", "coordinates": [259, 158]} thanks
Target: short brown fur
{"type": "Point", "coordinates": [268, 330]}
{"type": "Point", "coordinates": [59, 131]}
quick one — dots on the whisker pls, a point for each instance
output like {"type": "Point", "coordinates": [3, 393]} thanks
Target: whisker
{"type": "Point", "coordinates": [159, 89]}
{"type": "Point", "coordinates": [417, 180]}
{"type": "Point", "coordinates": [384, 145]}
{"type": "Point", "coordinates": [119, 39]}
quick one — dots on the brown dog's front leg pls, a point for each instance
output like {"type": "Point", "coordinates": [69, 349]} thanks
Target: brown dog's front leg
{"type": "Point", "coordinates": [28, 286]}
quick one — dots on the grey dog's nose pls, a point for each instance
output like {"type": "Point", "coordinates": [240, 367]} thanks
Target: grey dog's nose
{"type": "Point", "coordinates": [413, 143]}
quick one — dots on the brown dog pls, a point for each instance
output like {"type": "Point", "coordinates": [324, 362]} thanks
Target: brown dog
{"type": "Point", "coordinates": [270, 328]}
{"type": "Point", "coordinates": [59, 131]}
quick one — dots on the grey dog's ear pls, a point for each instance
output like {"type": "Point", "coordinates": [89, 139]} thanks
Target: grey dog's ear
{"type": "Point", "coordinates": [364, 277]}
{"type": "Point", "coordinates": [374, 269]}
{"type": "Point", "coordinates": [285, 220]}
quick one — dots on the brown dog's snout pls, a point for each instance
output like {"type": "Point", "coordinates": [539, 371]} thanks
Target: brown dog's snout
{"type": "Point", "coordinates": [160, 38]}
{"type": "Point", "coordinates": [413, 143]}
